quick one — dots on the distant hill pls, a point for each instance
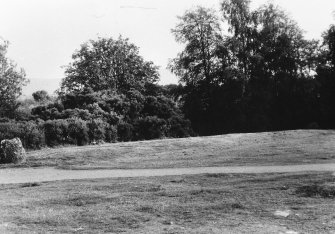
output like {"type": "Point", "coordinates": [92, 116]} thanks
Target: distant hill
{"type": "Point", "coordinates": [49, 85]}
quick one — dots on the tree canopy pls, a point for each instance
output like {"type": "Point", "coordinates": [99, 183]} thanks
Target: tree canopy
{"type": "Point", "coordinates": [245, 70]}
{"type": "Point", "coordinates": [199, 30]}
{"type": "Point", "coordinates": [108, 64]}
{"type": "Point", "coordinates": [12, 79]}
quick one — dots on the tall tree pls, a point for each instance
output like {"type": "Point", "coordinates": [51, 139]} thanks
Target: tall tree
{"type": "Point", "coordinates": [240, 24]}
{"type": "Point", "coordinates": [12, 80]}
{"type": "Point", "coordinates": [199, 30]}
{"type": "Point", "coordinates": [326, 78]}
{"type": "Point", "coordinates": [259, 70]}
{"type": "Point", "coordinates": [108, 64]}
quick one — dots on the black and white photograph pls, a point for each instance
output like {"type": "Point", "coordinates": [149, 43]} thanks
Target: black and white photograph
{"type": "Point", "coordinates": [172, 117]}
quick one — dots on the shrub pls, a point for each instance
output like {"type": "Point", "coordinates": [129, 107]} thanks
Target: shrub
{"type": "Point", "coordinates": [76, 113]}
{"type": "Point", "coordinates": [161, 106]}
{"type": "Point", "coordinates": [125, 131]}
{"type": "Point", "coordinates": [30, 133]}
{"type": "Point", "coordinates": [50, 111]}
{"type": "Point", "coordinates": [150, 127]}
{"type": "Point", "coordinates": [78, 131]}
{"type": "Point", "coordinates": [97, 129]}
{"type": "Point", "coordinates": [56, 132]}
{"type": "Point", "coordinates": [179, 127]}
{"type": "Point", "coordinates": [9, 130]}
{"type": "Point", "coordinates": [313, 125]}
{"type": "Point", "coordinates": [41, 96]}
{"type": "Point", "coordinates": [111, 134]}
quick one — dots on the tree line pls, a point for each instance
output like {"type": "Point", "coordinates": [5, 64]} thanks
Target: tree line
{"type": "Point", "coordinates": [246, 70]}
{"type": "Point", "coordinates": [240, 70]}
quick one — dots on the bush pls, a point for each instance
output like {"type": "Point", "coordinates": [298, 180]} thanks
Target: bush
{"type": "Point", "coordinates": [125, 131]}
{"type": "Point", "coordinates": [111, 134]}
{"type": "Point", "coordinates": [9, 130]}
{"type": "Point", "coordinates": [96, 130]}
{"type": "Point", "coordinates": [41, 96]}
{"type": "Point", "coordinates": [161, 106]}
{"type": "Point", "coordinates": [150, 127]}
{"type": "Point", "coordinates": [32, 136]}
{"type": "Point", "coordinates": [179, 127]}
{"type": "Point", "coordinates": [313, 125]}
{"type": "Point", "coordinates": [30, 133]}
{"type": "Point", "coordinates": [56, 132]}
{"type": "Point", "coordinates": [78, 131]}
{"type": "Point", "coordinates": [50, 111]}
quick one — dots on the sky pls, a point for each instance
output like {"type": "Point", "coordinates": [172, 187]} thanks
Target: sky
{"type": "Point", "coordinates": [43, 34]}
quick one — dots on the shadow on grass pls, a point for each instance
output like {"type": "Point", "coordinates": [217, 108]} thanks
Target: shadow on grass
{"type": "Point", "coordinates": [315, 190]}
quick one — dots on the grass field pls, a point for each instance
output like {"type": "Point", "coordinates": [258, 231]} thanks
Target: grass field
{"type": "Point", "coordinates": [208, 203]}
{"type": "Point", "coordinates": [272, 203]}
{"type": "Point", "coordinates": [272, 148]}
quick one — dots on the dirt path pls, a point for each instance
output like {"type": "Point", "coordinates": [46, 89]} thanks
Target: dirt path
{"type": "Point", "coordinates": [29, 175]}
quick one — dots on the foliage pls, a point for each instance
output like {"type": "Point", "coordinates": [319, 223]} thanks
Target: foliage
{"type": "Point", "coordinates": [326, 79]}
{"type": "Point", "coordinates": [56, 132]}
{"type": "Point", "coordinates": [111, 134]}
{"type": "Point", "coordinates": [150, 127]}
{"type": "Point", "coordinates": [78, 131]}
{"type": "Point", "coordinates": [11, 81]}
{"type": "Point", "coordinates": [259, 75]}
{"type": "Point", "coordinates": [41, 96]}
{"type": "Point", "coordinates": [108, 64]}
{"type": "Point", "coordinates": [110, 116]}
{"type": "Point", "coordinates": [199, 30]}
{"type": "Point", "coordinates": [30, 133]}
{"type": "Point", "coordinates": [125, 131]}
{"type": "Point", "coordinates": [179, 127]}
{"type": "Point", "coordinates": [97, 130]}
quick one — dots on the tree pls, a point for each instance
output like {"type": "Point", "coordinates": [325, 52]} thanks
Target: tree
{"type": "Point", "coordinates": [326, 79]}
{"type": "Point", "coordinates": [329, 42]}
{"type": "Point", "coordinates": [255, 76]}
{"type": "Point", "coordinates": [241, 24]}
{"type": "Point", "coordinates": [199, 30]}
{"type": "Point", "coordinates": [108, 64]}
{"type": "Point", "coordinates": [41, 96]}
{"type": "Point", "coordinates": [12, 80]}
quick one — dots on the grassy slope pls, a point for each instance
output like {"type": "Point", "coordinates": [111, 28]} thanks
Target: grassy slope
{"type": "Point", "coordinates": [175, 204]}
{"type": "Point", "coordinates": [179, 204]}
{"type": "Point", "coordinates": [273, 148]}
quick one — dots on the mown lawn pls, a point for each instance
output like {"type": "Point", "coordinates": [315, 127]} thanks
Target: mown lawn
{"type": "Point", "coordinates": [176, 204]}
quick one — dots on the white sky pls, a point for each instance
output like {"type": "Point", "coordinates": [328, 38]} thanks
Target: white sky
{"type": "Point", "coordinates": [43, 34]}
